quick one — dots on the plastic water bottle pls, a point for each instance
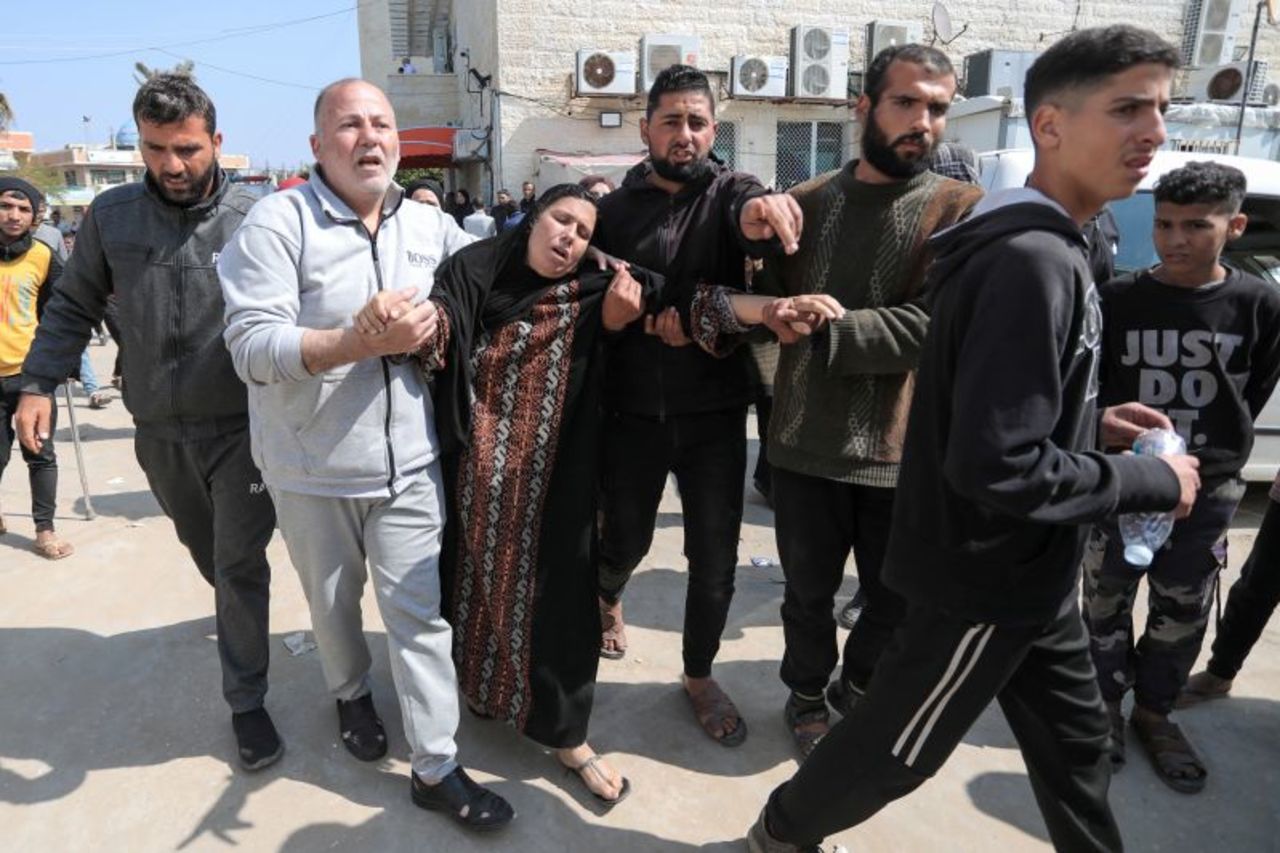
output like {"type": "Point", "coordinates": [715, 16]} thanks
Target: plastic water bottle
{"type": "Point", "coordinates": [1144, 532]}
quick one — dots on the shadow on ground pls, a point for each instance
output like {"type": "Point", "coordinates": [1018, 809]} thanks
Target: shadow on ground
{"type": "Point", "coordinates": [132, 506]}
{"type": "Point", "coordinates": [149, 697]}
{"type": "Point", "coordinates": [1238, 739]}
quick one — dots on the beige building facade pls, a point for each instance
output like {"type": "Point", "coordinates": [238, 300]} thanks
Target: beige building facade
{"type": "Point", "coordinates": [502, 72]}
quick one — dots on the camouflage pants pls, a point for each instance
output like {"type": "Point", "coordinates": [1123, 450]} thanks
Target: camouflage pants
{"type": "Point", "coordinates": [1180, 585]}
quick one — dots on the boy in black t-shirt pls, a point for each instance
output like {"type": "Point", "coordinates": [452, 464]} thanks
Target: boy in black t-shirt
{"type": "Point", "coordinates": [1201, 342]}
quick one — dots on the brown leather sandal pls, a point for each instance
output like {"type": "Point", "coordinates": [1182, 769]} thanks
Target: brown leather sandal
{"type": "Point", "coordinates": [1172, 756]}
{"type": "Point", "coordinates": [714, 709]}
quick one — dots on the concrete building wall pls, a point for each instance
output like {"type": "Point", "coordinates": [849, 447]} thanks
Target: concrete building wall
{"type": "Point", "coordinates": [475, 28]}
{"type": "Point", "coordinates": [423, 100]}
{"type": "Point", "coordinates": [537, 41]}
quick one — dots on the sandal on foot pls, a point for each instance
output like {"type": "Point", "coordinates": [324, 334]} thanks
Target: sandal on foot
{"type": "Point", "coordinates": [613, 637]}
{"type": "Point", "coordinates": [713, 708]}
{"type": "Point", "coordinates": [1116, 748]}
{"type": "Point", "coordinates": [592, 765]}
{"type": "Point", "coordinates": [54, 549]}
{"type": "Point", "coordinates": [1203, 687]}
{"type": "Point", "coordinates": [1172, 755]}
{"type": "Point", "coordinates": [808, 723]}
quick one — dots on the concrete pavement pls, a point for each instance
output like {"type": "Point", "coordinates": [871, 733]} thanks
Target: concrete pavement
{"type": "Point", "coordinates": [114, 735]}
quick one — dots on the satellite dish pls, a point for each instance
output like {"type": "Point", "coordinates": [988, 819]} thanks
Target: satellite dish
{"type": "Point", "coordinates": [942, 26]}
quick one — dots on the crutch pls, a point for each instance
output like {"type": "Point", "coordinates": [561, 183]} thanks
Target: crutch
{"type": "Point", "coordinates": [89, 514]}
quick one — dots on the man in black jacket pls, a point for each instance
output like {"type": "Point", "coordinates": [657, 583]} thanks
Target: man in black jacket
{"type": "Point", "coordinates": [672, 407]}
{"type": "Point", "coordinates": [154, 245]}
{"type": "Point", "coordinates": [1000, 476]}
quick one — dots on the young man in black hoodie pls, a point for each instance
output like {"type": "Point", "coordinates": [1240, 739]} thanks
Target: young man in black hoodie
{"type": "Point", "coordinates": [1201, 341]}
{"type": "Point", "coordinates": [1000, 476]}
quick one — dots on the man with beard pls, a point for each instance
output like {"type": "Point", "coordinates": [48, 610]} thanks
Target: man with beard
{"type": "Point", "coordinates": [673, 407]}
{"type": "Point", "coordinates": [344, 429]}
{"type": "Point", "coordinates": [1001, 477]}
{"type": "Point", "coordinates": [835, 435]}
{"type": "Point", "coordinates": [153, 246]}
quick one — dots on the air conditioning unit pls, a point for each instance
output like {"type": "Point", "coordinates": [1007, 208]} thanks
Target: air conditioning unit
{"type": "Point", "coordinates": [1210, 33]}
{"type": "Point", "coordinates": [659, 51]}
{"type": "Point", "coordinates": [997, 72]}
{"type": "Point", "coordinates": [1225, 83]}
{"type": "Point", "coordinates": [606, 72]}
{"type": "Point", "coordinates": [882, 34]}
{"type": "Point", "coordinates": [758, 77]}
{"type": "Point", "coordinates": [820, 63]}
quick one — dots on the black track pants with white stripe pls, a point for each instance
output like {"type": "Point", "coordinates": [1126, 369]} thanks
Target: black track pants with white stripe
{"type": "Point", "coordinates": [934, 680]}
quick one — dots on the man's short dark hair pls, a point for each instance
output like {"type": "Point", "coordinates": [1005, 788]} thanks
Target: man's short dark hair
{"type": "Point", "coordinates": [933, 60]}
{"type": "Point", "coordinates": [477, 203]}
{"type": "Point", "coordinates": [1204, 182]}
{"type": "Point", "coordinates": [1088, 58]}
{"type": "Point", "coordinates": [173, 98]}
{"type": "Point", "coordinates": [678, 78]}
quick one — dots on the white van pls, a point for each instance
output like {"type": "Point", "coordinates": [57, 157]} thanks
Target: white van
{"type": "Point", "coordinates": [1257, 252]}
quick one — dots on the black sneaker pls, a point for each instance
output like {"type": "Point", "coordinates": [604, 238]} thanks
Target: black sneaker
{"type": "Point", "coordinates": [361, 729]}
{"type": "Point", "coordinates": [842, 696]}
{"type": "Point", "coordinates": [470, 804]}
{"type": "Point", "coordinates": [848, 615]}
{"type": "Point", "coordinates": [258, 742]}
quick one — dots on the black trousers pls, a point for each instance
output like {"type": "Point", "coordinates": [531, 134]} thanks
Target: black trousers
{"type": "Point", "coordinates": [42, 467]}
{"type": "Point", "coordinates": [1252, 600]}
{"type": "Point", "coordinates": [763, 473]}
{"type": "Point", "coordinates": [817, 522]}
{"type": "Point", "coordinates": [214, 495]}
{"type": "Point", "coordinates": [708, 454]}
{"type": "Point", "coordinates": [934, 680]}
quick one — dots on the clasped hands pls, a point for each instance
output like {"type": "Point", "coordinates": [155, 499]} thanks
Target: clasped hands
{"type": "Point", "coordinates": [391, 324]}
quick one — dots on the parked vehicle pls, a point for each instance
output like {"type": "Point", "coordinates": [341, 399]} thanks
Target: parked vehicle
{"type": "Point", "coordinates": [1257, 252]}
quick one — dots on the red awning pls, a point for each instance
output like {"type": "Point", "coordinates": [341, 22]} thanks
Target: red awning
{"type": "Point", "coordinates": [424, 147]}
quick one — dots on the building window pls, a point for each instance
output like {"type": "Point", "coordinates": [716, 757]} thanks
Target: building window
{"type": "Point", "coordinates": [726, 144]}
{"type": "Point", "coordinates": [1200, 146]}
{"type": "Point", "coordinates": [70, 178]}
{"type": "Point", "coordinates": [111, 177]}
{"type": "Point", "coordinates": [806, 149]}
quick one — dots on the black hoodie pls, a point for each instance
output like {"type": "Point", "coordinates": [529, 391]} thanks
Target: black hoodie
{"type": "Point", "coordinates": [1000, 476]}
{"type": "Point", "coordinates": [688, 237]}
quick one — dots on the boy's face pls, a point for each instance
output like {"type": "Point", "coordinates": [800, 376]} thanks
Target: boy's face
{"type": "Point", "coordinates": [1189, 238]}
{"type": "Point", "coordinates": [1100, 142]}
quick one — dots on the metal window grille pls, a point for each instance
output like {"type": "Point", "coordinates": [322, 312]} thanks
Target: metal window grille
{"type": "Point", "coordinates": [411, 27]}
{"type": "Point", "coordinates": [806, 149]}
{"type": "Point", "coordinates": [726, 144]}
{"type": "Point", "coordinates": [1202, 146]}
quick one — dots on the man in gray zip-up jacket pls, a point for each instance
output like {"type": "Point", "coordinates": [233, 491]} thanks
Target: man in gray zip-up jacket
{"type": "Point", "coordinates": [154, 245]}
{"type": "Point", "coordinates": [343, 429]}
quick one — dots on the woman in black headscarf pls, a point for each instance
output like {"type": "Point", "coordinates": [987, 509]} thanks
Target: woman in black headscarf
{"type": "Point", "coordinates": [461, 207]}
{"type": "Point", "coordinates": [520, 323]}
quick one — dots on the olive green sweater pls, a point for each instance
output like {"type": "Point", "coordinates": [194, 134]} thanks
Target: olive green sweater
{"type": "Point", "coordinates": [842, 396]}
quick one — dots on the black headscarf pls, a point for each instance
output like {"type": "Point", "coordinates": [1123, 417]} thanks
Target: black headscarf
{"type": "Point", "coordinates": [485, 286]}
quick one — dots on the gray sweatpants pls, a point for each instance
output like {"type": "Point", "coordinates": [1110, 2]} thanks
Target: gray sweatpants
{"type": "Point", "coordinates": [331, 541]}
